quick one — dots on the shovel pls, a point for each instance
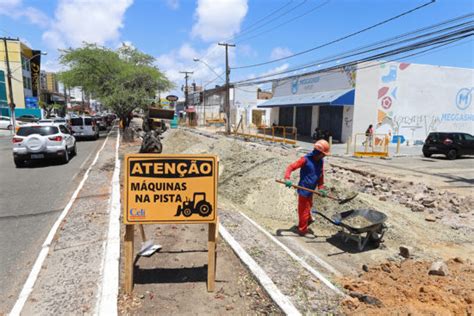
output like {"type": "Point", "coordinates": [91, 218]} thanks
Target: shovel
{"type": "Point", "coordinates": [148, 247]}
{"type": "Point", "coordinates": [339, 200]}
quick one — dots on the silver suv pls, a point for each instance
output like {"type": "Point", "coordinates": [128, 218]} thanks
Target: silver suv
{"type": "Point", "coordinates": [43, 141]}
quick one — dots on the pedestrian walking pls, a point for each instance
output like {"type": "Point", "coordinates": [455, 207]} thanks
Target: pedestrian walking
{"type": "Point", "coordinates": [369, 136]}
{"type": "Point", "coordinates": [311, 176]}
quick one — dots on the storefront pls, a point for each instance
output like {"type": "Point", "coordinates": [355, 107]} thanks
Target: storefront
{"type": "Point", "coordinates": [312, 101]}
{"type": "Point", "coordinates": [396, 98]}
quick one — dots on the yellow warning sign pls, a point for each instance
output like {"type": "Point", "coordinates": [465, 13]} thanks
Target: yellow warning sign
{"type": "Point", "coordinates": [170, 188]}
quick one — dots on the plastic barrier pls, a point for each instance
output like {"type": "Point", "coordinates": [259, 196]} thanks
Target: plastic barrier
{"type": "Point", "coordinates": [371, 146]}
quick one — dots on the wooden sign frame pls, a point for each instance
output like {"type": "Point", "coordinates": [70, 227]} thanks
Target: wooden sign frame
{"type": "Point", "coordinates": [213, 228]}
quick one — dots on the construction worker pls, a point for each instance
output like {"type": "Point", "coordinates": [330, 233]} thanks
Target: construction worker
{"type": "Point", "coordinates": [311, 176]}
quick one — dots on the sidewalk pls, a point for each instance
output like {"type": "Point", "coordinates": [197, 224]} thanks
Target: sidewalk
{"type": "Point", "coordinates": [70, 278]}
{"type": "Point", "coordinates": [341, 149]}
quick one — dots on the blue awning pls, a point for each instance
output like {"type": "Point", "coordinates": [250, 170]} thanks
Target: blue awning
{"type": "Point", "coordinates": [336, 98]}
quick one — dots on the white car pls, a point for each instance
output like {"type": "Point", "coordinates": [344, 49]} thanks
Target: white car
{"type": "Point", "coordinates": [85, 126]}
{"type": "Point", "coordinates": [43, 141]}
{"type": "Point", "coordinates": [5, 122]}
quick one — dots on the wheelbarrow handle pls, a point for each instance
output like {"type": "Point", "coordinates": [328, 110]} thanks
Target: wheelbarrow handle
{"type": "Point", "coordinates": [340, 201]}
{"type": "Point", "coordinates": [309, 190]}
{"type": "Point", "coordinates": [326, 218]}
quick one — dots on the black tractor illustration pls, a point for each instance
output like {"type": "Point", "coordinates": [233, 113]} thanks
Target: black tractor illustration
{"type": "Point", "coordinates": [198, 205]}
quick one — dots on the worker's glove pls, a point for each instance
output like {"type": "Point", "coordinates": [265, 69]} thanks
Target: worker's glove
{"type": "Point", "coordinates": [323, 193]}
{"type": "Point", "coordinates": [288, 183]}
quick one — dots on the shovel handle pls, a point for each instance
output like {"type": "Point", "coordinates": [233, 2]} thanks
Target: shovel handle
{"type": "Point", "coordinates": [309, 190]}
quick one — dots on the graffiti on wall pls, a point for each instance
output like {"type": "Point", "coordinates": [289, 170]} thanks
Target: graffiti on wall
{"type": "Point", "coordinates": [350, 72]}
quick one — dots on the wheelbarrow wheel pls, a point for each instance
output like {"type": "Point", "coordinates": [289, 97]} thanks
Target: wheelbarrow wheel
{"type": "Point", "coordinates": [376, 236]}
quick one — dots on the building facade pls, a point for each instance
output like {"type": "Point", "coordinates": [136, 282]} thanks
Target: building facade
{"type": "Point", "coordinates": [24, 64]}
{"type": "Point", "coordinates": [397, 98]}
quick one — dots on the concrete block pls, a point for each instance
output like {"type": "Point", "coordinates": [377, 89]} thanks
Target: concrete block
{"type": "Point", "coordinates": [439, 268]}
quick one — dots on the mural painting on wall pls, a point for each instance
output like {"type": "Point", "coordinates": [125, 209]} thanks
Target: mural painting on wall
{"type": "Point", "coordinates": [350, 72]}
{"type": "Point", "coordinates": [387, 97]}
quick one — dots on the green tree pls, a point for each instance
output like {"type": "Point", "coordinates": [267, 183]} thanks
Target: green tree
{"type": "Point", "coordinates": [122, 79]}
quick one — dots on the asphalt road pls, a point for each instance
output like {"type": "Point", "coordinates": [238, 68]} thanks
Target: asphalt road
{"type": "Point", "coordinates": [456, 175]}
{"type": "Point", "coordinates": [31, 200]}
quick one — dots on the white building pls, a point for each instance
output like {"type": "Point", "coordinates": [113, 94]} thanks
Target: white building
{"type": "Point", "coordinates": [398, 98]}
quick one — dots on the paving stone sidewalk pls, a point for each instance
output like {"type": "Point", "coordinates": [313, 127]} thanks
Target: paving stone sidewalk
{"type": "Point", "coordinates": [70, 279]}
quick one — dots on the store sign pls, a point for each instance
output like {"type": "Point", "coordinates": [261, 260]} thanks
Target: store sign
{"type": "Point", "coordinates": [170, 188]}
{"type": "Point", "coordinates": [31, 103]}
{"type": "Point", "coordinates": [35, 72]}
{"type": "Point", "coordinates": [172, 98]}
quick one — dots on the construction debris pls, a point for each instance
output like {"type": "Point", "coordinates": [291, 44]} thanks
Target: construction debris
{"type": "Point", "coordinates": [438, 268]}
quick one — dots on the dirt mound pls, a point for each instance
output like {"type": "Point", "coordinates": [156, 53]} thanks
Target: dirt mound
{"type": "Point", "coordinates": [406, 288]}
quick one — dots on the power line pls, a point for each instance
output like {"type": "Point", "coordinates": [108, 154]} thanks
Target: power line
{"type": "Point", "coordinates": [359, 52]}
{"type": "Point", "coordinates": [445, 38]}
{"type": "Point", "coordinates": [262, 19]}
{"type": "Point", "coordinates": [271, 20]}
{"type": "Point", "coordinates": [248, 28]}
{"type": "Point", "coordinates": [339, 39]}
{"type": "Point", "coordinates": [286, 22]}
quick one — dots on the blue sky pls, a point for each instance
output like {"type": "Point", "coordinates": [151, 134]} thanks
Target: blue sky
{"type": "Point", "coordinates": [175, 31]}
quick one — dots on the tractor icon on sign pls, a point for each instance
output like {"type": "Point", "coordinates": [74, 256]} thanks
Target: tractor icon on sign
{"type": "Point", "coordinates": [198, 205]}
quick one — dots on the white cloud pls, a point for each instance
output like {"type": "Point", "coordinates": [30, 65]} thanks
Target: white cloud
{"type": "Point", "coordinates": [95, 21]}
{"type": "Point", "coordinates": [173, 4]}
{"type": "Point", "coordinates": [181, 59]}
{"type": "Point", "coordinates": [280, 52]}
{"type": "Point", "coordinates": [16, 10]}
{"type": "Point", "coordinates": [247, 51]}
{"type": "Point", "coordinates": [218, 20]}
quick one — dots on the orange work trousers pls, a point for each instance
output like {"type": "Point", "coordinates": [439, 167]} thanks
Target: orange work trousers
{"type": "Point", "coordinates": [304, 213]}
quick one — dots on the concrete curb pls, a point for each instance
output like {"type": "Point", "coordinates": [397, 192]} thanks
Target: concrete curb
{"type": "Point", "coordinates": [109, 287]}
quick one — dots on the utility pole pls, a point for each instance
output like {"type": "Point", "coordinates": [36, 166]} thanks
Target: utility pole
{"type": "Point", "coordinates": [186, 76]}
{"type": "Point", "coordinates": [10, 89]}
{"type": "Point", "coordinates": [227, 79]}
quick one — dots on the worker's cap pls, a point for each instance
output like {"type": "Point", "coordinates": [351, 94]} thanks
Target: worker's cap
{"type": "Point", "coordinates": [322, 146]}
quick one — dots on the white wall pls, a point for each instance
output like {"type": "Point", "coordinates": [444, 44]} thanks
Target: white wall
{"type": "Point", "coordinates": [314, 118]}
{"type": "Point", "coordinates": [274, 115]}
{"type": "Point", "coordinates": [414, 100]}
{"type": "Point", "coordinates": [347, 123]}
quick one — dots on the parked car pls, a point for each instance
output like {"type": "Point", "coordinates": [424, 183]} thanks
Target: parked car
{"type": "Point", "coordinates": [56, 120]}
{"type": "Point", "coordinates": [43, 141]}
{"type": "Point", "coordinates": [101, 122]}
{"type": "Point", "coordinates": [27, 118]}
{"type": "Point", "coordinates": [84, 126]}
{"type": "Point", "coordinates": [6, 122]}
{"type": "Point", "coordinates": [110, 118]}
{"type": "Point", "coordinates": [452, 145]}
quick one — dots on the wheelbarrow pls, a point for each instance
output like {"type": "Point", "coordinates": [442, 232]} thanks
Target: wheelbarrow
{"type": "Point", "coordinates": [354, 223]}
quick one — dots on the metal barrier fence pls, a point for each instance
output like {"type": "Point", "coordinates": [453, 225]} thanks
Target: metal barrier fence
{"type": "Point", "coordinates": [271, 137]}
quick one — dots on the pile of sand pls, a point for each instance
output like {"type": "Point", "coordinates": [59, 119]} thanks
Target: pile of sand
{"type": "Point", "coordinates": [405, 288]}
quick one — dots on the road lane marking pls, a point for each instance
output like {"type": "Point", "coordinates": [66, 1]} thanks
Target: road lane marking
{"type": "Point", "coordinates": [33, 276]}
{"type": "Point", "coordinates": [278, 297]}
{"type": "Point", "coordinates": [109, 287]}
{"type": "Point", "coordinates": [296, 258]}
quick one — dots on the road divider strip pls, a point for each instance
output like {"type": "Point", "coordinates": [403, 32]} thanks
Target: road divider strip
{"type": "Point", "coordinates": [278, 297]}
{"type": "Point", "coordinates": [295, 257]}
{"type": "Point", "coordinates": [33, 276]}
{"type": "Point", "coordinates": [109, 286]}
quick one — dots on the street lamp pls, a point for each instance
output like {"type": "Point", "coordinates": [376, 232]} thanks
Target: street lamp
{"type": "Point", "coordinates": [10, 88]}
{"type": "Point", "coordinates": [207, 65]}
